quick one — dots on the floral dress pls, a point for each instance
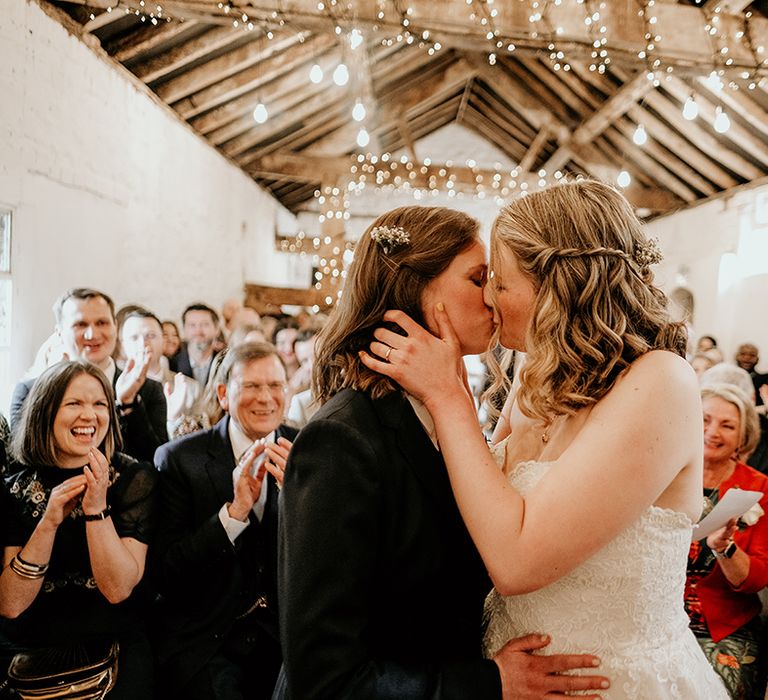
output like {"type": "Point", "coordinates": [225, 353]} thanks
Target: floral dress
{"type": "Point", "coordinates": [735, 656]}
{"type": "Point", "coordinates": [69, 607]}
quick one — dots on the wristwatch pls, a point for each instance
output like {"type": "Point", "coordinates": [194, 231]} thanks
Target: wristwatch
{"type": "Point", "coordinates": [727, 553]}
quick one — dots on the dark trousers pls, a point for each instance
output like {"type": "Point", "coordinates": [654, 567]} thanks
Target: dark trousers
{"type": "Point", "coordinates": [245, 668]}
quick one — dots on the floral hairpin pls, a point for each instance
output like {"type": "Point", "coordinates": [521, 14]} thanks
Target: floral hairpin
{"type": "Point", "coordinates": [390, 237]}
{"type": "Point", "coordinates": [647, 253]}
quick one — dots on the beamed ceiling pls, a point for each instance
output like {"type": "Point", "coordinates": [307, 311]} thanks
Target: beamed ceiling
{"type": "Point", "coordinates": [525, 75]}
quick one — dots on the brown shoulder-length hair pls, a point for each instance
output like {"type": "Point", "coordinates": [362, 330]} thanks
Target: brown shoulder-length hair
{"type": "Point", "coordinates": [377, 281]}
{"type": "Point", "coordinates": [596, 308]}
{"type": "Point", "coordinates": [33, 442]}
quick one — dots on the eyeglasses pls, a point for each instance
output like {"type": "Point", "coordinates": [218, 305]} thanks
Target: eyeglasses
{"type": "Point", "coordinates": [253, 389]}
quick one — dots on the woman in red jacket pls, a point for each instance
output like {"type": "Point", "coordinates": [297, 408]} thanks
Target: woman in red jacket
{"type": "Point", "coordinates": [727, 569]}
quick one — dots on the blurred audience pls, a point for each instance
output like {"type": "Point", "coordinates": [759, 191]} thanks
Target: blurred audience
{"type": "Point", "coordinates": [201, 329]}
{"type": "Point", "coordinates": [747, 357]}
{"type": "Point", "coordinates": [171, 339]}
{"type": "Point", "coordinates": [85, 322]}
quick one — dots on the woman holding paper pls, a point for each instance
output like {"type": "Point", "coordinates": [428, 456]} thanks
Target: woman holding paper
{"type": "Point", "coordinates": [729, 567]}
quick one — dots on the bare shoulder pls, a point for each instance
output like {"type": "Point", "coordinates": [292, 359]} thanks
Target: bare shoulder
{"type": "Point", "coordinates": [660, 370]}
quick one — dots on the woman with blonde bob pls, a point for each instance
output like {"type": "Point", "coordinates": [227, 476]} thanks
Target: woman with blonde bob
{"type": "Point", "coordinates": [585, 527]}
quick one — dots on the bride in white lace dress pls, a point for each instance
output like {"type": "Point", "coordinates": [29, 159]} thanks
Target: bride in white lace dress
{"type": "Point", "coordinates": [586, 527]}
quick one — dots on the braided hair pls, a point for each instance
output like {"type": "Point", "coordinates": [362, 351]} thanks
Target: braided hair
{"type": "Point", "coordinates": [596, 309]}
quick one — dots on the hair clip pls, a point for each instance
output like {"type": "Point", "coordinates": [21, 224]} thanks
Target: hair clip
{"type": "Point", "coordinates": [390, 237]}
{"type": "Point", "coordinates": [647, 253]}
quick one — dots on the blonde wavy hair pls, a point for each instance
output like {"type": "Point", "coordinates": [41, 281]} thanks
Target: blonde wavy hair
{"type": "Point", "coordinates": [596, 309]}
{"type": "Point", "coordinates": [382, 278]}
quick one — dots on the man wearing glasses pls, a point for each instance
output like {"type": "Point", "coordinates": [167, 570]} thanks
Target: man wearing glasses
{"type": "Point", "coordinates": [216, 548]}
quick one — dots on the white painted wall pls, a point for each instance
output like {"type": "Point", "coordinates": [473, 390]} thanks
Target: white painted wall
{"type": "Point", "coordinates": [110, 190]}
{"type": "Point", "coordinates": [719, 251]}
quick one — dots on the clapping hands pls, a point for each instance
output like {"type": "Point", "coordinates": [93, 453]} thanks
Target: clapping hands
{"type": "Point", "coordinates": [132, 379]}
{"type": "Point", "coordinates": [247, 484]}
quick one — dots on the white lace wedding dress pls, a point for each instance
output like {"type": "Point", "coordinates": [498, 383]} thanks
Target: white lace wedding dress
{"type": "Point", "coordinates": [624, 604]}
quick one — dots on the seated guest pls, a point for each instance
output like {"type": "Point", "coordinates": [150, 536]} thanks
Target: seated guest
{"type": "Point", "coordinates": [229, 310]}
{"type": "Point", "coordinates": [729, 374]}
{"type": "Point", "coordinates": [142, 339]}
{"type": "Point", "coordinates": [701, 362]}
{"type": "Point", "coordinates": [285, 335]}
{"type": "Point", "coordinates": [303, 405]}
{"type": "Point", "coordinates": [246, 333]}
{"type": "Point", "coordinates": [727, 569]}
{"type": "Point", "coordinates": [171, 340]}
{"type": "Point", "coordinates": [85, 321]}
{"type": "Point", "coordinates": [215, 558]}
{"type": "Point", "coordinates": [201, 330]}
{"type": "Point", "coordinates": [747, 357]}
{"type": "Point", "coordinates": [77, 520]}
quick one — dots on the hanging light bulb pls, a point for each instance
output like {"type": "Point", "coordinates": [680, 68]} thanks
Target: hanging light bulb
{"type": "Point", "coordinates": [341, 75]}
{"type": "Point", "coordinates": [713, 80]}
{"type": "Point", "coordinates": [316, 73]}
{"type": "Point", "coordinates": [690, 109]}
{"type": "Point", "coordinates": [640, 137]}
{"type": "Point", "coordinates": [358, 111]}
{"type": "Point", "coordinates": [623, 179]}
{"type": "Point", "coordinates": [363, 139]}
{"type": "Point", "coordinates": [355, 38]}
{"type": "Point", "coordinates": [260, 114]}
{"type": "Point", "coordinates": [722, 122]}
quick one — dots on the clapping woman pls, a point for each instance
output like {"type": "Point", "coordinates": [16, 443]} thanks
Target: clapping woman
{"type": "Point", "coordinates": [75, 533]}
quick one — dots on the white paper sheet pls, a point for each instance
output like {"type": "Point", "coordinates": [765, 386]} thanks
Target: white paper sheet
{"type": "Point", "coordinates": [736, 502]}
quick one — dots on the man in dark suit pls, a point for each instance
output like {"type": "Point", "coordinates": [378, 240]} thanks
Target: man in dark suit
{"type": "Point", "coordinates": [381, 587]}
{"type": "Point", "coordinates": [200, 325]}
{"type": "Point", "coordinates": [216, 547]}
{"type": "Point", "coordinates": [85, 322]}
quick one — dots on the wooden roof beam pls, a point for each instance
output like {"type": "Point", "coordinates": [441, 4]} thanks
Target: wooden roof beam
{"type": "Point", "coordinates": [260, 74]}
{"type": "Point", "coordinates": [195, 49]}
{"type": "Point", "coordinates": [149, 38]}
{"type": "Point", "coordinates": [616, 105]}
{"type": "Point", "coordinates": [403, 103]}
{"type": "Point", "coordinates": [703, 139]}
{"type": "Point", "coordinates": [531, 155]}
{"type": "Point", "coordinates": [224, 66]}
{"type": "Point", "coordinates": [685, 155]}
{"type": "Point", "coordinates": [104, 19]}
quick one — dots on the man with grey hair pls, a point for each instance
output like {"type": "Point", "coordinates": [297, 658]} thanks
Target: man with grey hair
{"type": "Point", "coordinates": [216, 549]}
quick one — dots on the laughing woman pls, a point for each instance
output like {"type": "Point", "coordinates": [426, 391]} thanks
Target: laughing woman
{"type": "Point", "coordinates": [75, 537]}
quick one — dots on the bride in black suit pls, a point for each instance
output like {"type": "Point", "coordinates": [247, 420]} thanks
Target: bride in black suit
{"type": "Point", "coordinates": [381, 588]}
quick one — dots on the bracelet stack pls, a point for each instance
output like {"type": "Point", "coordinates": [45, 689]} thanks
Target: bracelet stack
{"type": "Point", "coordinates": [26, 569]}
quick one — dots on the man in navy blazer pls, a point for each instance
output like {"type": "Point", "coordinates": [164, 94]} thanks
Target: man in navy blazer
{"type": "Point", "coordinates": [216, 546]}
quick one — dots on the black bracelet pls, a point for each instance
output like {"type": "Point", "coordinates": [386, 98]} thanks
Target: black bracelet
{"type": "Point", "coordinates": [98, 516]}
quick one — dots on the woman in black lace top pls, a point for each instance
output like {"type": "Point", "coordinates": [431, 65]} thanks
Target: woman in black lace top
{"type": "Point", "coordinates": [76, 524]}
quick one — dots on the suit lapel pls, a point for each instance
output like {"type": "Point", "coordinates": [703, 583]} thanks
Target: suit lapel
{"type": "Point", "coordinates": [220, 462]}
{"type": "Point", "coordinates": [397, 415]}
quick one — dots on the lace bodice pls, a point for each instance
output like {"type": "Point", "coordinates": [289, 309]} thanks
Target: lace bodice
{"type": "Point", "coordinates": [624, 604]}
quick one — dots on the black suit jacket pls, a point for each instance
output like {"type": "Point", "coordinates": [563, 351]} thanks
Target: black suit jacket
{"type": "Point", "coordinates": [206, 582]}
{"type": "Point", "coordinates": [143, 429]}
{"type": "Point", "coordinates": [381, 588]}
{"type": "Point", "coordinates": [180, 363]}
